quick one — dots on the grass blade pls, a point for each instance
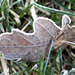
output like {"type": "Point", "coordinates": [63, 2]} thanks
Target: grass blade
{"type": "Point", "coordinates": [68, 63]}
{"type": "Point", "coordinates": [54, 60]}
{"type": "Point", "coordinates": [53, 71]}
{"type": "Point", "coordinates": [40, 72]}
{"type": "Point", "coordinates": [13, 4]}
{"type": "Point", "coordinates": [2, 2]}
{"type": "Point", "coordinates": [48, 56]}
{"type": "Point", "coordinates": [2, 18]}
{"type": "Point", "coordinates": [60, 57]}
{"type": "Point", "coordinates": [71, 71]}
{"type": "Point", "coordinates": [2, 28]}
{"type": "Point", "coordinates": [59, 4]}
{"type": "Point", "coordinates": [53, 10]}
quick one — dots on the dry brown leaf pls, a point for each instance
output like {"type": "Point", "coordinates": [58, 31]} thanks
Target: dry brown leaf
{"type": "Point", "coordinates": [31, 46]}
{"type": "Point", "coordinates": [67, 33]}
